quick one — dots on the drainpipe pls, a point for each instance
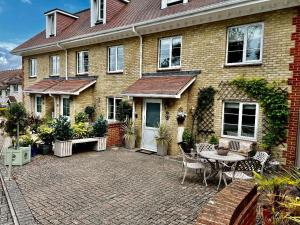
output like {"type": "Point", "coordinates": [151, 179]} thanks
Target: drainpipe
{"type": "Point", "coordinates": [66, 59]}
{"type": "Point", "coordinates": [141, 50]}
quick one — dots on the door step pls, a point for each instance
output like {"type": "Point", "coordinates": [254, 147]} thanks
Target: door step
{"type": "Point", "coordinates": [146, 152]}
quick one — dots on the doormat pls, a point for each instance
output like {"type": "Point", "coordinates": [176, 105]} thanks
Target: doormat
{"type": "Point", "coordinates": [145, 152]}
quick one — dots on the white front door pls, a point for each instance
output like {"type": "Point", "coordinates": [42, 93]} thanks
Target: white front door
{"type": "Point", "coordinates": [151, 120]}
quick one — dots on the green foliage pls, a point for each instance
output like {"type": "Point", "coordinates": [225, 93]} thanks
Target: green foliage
{"type": "Point", "coordinates": [163, 135]}
{"type": "Point", "coordinates": [3, 112]}
{"type": "Point", "coordinates": [90, 111]}
{"type": "Point", "coordinates": [62, 129]}
{"type": "Point", "coordinates": [214, 140]}
{"type": "Point", "coordinates": [188, 138]}
{"type": "Point", "coordinates": [81, 117]}
{"type": "Point", "coordinates": [274, 101]}
{"type": "Point", "coordinates": [125, 111]}
{"type": "Point", "coordinates": [25, 140]}
{"type": "Point", "coordinates": [82, 130]}
{"type": "Point", "coordinates": [100, 127]}
{"type": "Point", "coordinates": [46, 133]}
{"type": "Point", "coordinates": [129, 130]}
{"type": "Point", "coordinates": [16, 114]}
{"type": "Point", "coordinates": [34, 122]}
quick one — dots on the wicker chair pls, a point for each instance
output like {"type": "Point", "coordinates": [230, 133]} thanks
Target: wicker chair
{"type": "Point", "coordinates": [192, 163]}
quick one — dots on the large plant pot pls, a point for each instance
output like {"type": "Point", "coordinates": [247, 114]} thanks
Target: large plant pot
{"type": "Point", "coordinates": [63, 148]}
{"type": "Point", "coordinates": [45, 149]}
{"type": "Point", "coordinates": [102, 144]}
{"type": "Point", "coordinates": [19, 157]}
{"type": "Point", "coordinates": [162, 149]}
{"type": "Point", "coordinates": [34, 150]}
{"type": "Point", "coordinates": [130, 143]}
{"type": "Point", "coordinates": [187, 148]}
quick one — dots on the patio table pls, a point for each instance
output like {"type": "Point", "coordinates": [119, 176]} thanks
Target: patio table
{"type": "Point", "coordinates": [221, 161]}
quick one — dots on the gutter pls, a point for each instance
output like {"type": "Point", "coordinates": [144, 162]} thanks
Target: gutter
{"type": "Point", "coordinates": [227, 5]}
{"type": "Point", "coordinates": [66, 59]}
{"type": "Point", "coordinates": [141, 50]}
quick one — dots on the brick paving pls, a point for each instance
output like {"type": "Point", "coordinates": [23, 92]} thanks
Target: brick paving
{"type": "Point", "coordinates": [111, 187]}
{"type": "Point", "coordinates": [5, 215]}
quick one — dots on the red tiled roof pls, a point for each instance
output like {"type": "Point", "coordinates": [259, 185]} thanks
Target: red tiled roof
{"type": "Point", "coordinates": [160, 86]}
{"type": "Point", "coordinates": [10, 77]}
{"type": "Point", "coordinates": [134, 12]}
{"type": "Point", "coordinates": [59, 86]}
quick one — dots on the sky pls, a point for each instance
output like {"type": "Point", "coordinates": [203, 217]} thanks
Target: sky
{"type": "Point", "coordinates": [22, 19]}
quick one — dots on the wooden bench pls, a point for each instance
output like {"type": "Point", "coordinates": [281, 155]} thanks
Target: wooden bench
{"type": "Point", "coordinates": [64, 148]}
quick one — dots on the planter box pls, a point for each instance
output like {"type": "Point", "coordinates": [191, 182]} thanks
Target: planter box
{"type": "Point", "coordinates": [63, 148]}
{"type": "Point", "coordinates": [19, 156]}
{"type": "Point", "coordinates": [101, 144]}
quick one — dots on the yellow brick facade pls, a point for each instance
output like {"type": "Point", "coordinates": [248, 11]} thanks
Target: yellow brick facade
{"type": "Point", "coordinates": [203, 48]}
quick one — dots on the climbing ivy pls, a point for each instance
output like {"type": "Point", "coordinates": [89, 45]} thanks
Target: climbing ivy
{"type": "Point", "coordinates": [274, 102]}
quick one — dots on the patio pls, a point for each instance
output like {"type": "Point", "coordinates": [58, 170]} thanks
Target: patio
{"type": "Point", "coordinates": [111, 187]}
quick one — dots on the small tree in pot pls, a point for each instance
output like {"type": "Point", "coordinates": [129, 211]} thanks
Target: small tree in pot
{"type": "Point", "coordinates": [163, 139]}
{"type": "Point", "coordinates": [46, 134]}
{"type": "Point", "coordinates": [129, 134]}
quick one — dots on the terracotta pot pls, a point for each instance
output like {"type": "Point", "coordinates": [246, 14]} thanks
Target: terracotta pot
{"type": "Point", "coordinates": [267, 217]}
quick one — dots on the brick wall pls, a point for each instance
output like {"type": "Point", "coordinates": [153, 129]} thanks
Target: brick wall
{"type": "Point", "coordinates": [294, 96]}
{"type": "Point", "coordinates": [115, 135]}
{"type": "Point", "coordinates": [234, 205]}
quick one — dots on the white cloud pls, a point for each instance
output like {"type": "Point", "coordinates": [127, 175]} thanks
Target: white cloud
{"type": "Point", "coordinates": [3, 61]}
{"type": "Point", "coordinates": [8, 45]}
{"type": "Point", "coordinates": [7, 60]}
{"type": "Point", "coordinates": [26, 1]}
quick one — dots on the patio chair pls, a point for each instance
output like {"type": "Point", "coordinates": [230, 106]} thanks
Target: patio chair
{"type": "Point", "coordinates": [242, 170]}
{"type": "Point", "coordinates": [262, 157]}
{"type": "Point", "coordinates": [189, 162]}
{"type": "Point", "coordinates": [205, 147]}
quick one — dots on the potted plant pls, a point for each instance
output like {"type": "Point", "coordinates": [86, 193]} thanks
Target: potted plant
{"type": "Point", "coordinates": [100, 129]}
{"type": "Point", "coordinates": [90, 111]}
{"type": "Point", "coordinates": [62, 133]}
{"type": "Point", "coordinates": [280, 197]}
{"type": "Point", "coordinates": [82, 130]}
{"type": "Point", "coordinates": [129, 134]}
{"type": "Point", "coordinates": [81, 117]}
{"type": "Point", "coordinates": [188, 141]}
{"type": "Point", "coordinates": [163, 139]}
{"type": "Point", "coordinates": [45, 133]}
{"type": "Point", "coordinates": [16, 124]}
{"type": "Point", "coordinates": [214, 140]}
{"type": "Point", "coordinates": [181, 117]}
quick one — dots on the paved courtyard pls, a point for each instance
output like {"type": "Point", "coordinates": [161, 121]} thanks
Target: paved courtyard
{"type": "Point", "coordinates": [5, 215]}
{"type": "Point", "coordinates": [111, 187]}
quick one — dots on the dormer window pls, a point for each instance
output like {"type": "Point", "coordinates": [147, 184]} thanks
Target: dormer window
{"type": "Point", "coordinates": [167, 3]}
{"type": "Point", "coordinates": [51, 25]}
{"type": "Point", "coordinates": [98, 12]}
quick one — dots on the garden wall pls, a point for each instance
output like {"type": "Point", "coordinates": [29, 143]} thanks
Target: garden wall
{"type": "Point", "coordinates": [115, 134]}
{"type": "Point", "coordinates": [234, 205]}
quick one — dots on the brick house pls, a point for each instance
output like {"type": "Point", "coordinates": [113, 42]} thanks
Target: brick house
{"type": "Point", "coordinates": [10, 86]}
{"type": "Point", "coordinates": [158, 54]}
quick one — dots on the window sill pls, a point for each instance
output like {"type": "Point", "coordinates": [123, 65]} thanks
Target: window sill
{"type": "Point", "coordinates": [82, 74]}
{"type": "Point", "coordinates": [242, 64]}
{"type": "Point", "coordinates": [35, 77]}
{"type": "Point", "coordinates": [114, 72]}
{"type": "Point", "coordinates": [239, 138]}
{"type": "Point", "coordinates": [168, 69]}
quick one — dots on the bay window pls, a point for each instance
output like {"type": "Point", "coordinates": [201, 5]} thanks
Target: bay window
{"type": "Point", "coordinates": [82, 62]}
{"type": "Point", "coordinates": [115, 59]}
{"type": "Point", "coordinates": [170, 53]}
{"type": "Point", "coordinates": [244, 44]}
{"type": "Point", "coordinates": [113, 108]}
{"type": "Point", "coordinates": [240, 120]}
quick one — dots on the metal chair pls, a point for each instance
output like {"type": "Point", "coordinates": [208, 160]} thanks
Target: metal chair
{"type": "Point", "coordinates": [189, 162]}
{"type": "Point", "coordinates": [243, 170]}
{"type": "Point", "coordinates": [262, 157]}
{"type": "Point", "coordinates": [204, 147]}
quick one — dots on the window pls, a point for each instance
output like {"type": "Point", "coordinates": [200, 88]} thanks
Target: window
{"type": "Point", "coordinates": [98, 12]}
{"type": "Point", "coordinates": [116, 59]}
{"type": "Point", "coordinates": [167, 3]}
{"type": "Point", "coordinates": [50, 25]}
{"type": "Point", "coordinates": [15, 88]}
{"type": "Point", "coordinates": [83, 62]}
{"type": "Point", "coordinates": [65, 106]}
{"type": "Point", "coordinates": [38, 105]}
{"type": "Point", "coordinates": [113, 108]}
{"type": "Point", "coordinates": [244, 44]}
{"type": "Point", "coordinates": [54, 65]}
{"type": "Point", "coordinates": [240, 120]}
{"type": "Point", "coordinates": [170, 52]}
{"type": "Point", "coordinates": [32, 67]}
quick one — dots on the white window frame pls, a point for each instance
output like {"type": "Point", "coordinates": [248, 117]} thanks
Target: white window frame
{"type": "Point", "coordinates": [246, 62]}
{"type": "Point", "coordinates": [13, 88]}
{"type": "Point", "coordinates": [51, 25]}
{"type": "Point", "coordinates": [35, 105]}
{"type": "Point", "coordinates": [32, 67]}
{"type": "Point", "coordinates": [56, 59]}
{"type": "Point", "coordinates": [240, 137]}
{"type": "Point", "coordinates": [108, 60]}
{"type": "Point", "coordinates": [62, 105]}
{"type": "Point", "coordinates": [170, 53]}
{"type": "Point", "coordinates": [77, 62]}
{"type": "Point", "coordinates": [107, 107]}
{"type": "Point", "coordinates": [95, 6]}
{"type": "Point", "coordinates": [165, 3]}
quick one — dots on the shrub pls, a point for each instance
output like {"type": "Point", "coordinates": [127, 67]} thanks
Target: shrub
{"type": "Point", "coordinates": [214, 140]}
{"type": "Point", "coordinates": [46, 134]}
{"type": "Point", "coordinates": [125, 111]}
{"type": "Point", "coordinates": [187, 137]}
{"type": "Point", "coordinates": [81, 117]}
{"type": "Point", "coordinates": [90, 110]}
{"type": "Point", "coordinates": [16, 114]}
{"type": "Point", "coordinates": [25, 140]}
{"type": "Point", "coordinates": [3, 112]}
{"type": "Point", "coordinates": [34, 122]}
{"type": "Point", "coordinates": [100, 127]}
{"type": "Point", "coordinates": [82, 130]}
{"type": "Point", "coordinates": [129, 130]}
{"type": "Point", "coordinates": [163, 135]}
{"type": "Point", "coordinates": [62, 129]}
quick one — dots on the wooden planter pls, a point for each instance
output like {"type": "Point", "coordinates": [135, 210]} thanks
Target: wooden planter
{"type": "Point", "coordinates": [101, 144]}
{"type": "Point", "coordinates": [19, 156]}
{"type": "Point", "coordinates": [63, 148]}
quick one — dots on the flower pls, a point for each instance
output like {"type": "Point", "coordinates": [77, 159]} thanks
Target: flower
{"type": "Point", "coordinates": [181, 115]}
